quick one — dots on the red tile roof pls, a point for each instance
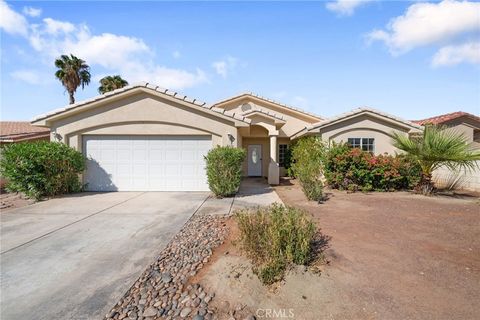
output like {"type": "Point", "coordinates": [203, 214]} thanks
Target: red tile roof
{"type": "Point", "coordinates": [13, 131]}
{"type": "Point", "coordinates": [446, 117]}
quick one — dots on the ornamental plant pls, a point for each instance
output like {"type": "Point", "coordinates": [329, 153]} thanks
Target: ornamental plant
{"type": "Point", "coordinates": [352, 169]}
{"type": "Point", "coordinates": [307, 155]}
{"type": "Point", "coordinates": [437, 147]}
{"type": "Point", "coordinates": [40, 169]}
{"type": "Point", "coordinates": [224, 170]}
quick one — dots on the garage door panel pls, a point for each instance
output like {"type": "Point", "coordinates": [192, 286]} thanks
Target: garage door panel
{"type": "Point", "coordinates": [140, 155]}
{"type": "Point", "coordinates": [188, 170]}
{"type": "Point", "coordinates": [172, 169]}
{"type": "Point", "coordinates": [146, 163]}
{"type": "Point", "coordinates": [108, 154]}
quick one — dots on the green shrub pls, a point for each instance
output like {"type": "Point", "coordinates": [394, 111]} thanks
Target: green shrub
{"type": "Point", "coordinates": [275, 237]}
{"type": "Point", "coordinates": [353, 169]}
{"type": "Point", "coordinates": [289, 161]}
{"type": "Point", "coordinates": [307, 155]}
{"type": "Point", "coordinates": [41, 169]}
{"type": "Point", "coordinates": [224, 170]}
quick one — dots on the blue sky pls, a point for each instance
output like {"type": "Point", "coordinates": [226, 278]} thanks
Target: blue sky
{"type": "Point", "coordinates": [411, 59]}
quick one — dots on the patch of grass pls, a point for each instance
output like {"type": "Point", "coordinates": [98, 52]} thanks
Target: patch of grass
{"type": "Point", "coordinates": [275, 237]}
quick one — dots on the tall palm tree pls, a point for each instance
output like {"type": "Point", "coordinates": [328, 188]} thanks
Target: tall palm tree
{"type": "Point", "coordinates": [437, 147]}
{"type": "Point", "coordinates": [72, 73]}
{"type": "Point", "coordinates": [110, 83]}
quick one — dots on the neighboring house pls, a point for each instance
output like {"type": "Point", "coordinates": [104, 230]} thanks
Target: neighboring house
{"type": "Point", "coordinates": [462, 122]}
{"type": "Point", "coordinates": [20, 131]}
{"type": "Point", "coordinates": [143, 137]}
{"type": "Point", "coordinates": [365, 128]}
{"type": "Point", "coordinates": [468, 125]}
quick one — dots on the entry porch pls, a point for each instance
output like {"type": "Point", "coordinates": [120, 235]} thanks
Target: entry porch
{"type": "Point", "coordinates": [266, 148]}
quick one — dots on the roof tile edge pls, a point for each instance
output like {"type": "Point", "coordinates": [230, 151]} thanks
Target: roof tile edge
{"type": "Point", "coordinates": [147, 85]}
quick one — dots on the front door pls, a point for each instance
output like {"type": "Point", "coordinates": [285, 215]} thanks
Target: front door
{"type": "Point", "coordinates": [255, 160]}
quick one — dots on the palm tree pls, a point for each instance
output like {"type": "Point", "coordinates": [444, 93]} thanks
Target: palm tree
{"type": "Point", "coordinates": [110, 83]}
{"type": "Point", "coordinates": [72, 72]}
{"type": "Point", "coordinates": [437, 147]}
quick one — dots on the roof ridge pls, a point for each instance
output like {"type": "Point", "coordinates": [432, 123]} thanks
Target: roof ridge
{"type": "Point", "coordinates": [249, 93]}
{"type": "Point", "coordinates": [150, 86]}
{"type": "Point", "coordinates": [445, 117]}
{"type": "Point", "coordinates": [359, 110]}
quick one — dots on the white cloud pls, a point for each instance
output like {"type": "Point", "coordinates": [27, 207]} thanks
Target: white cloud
{"type": "Point", "coordinates": [56, 27]}
{"type": "Point", "coordinates": [12, 22]}
{"type": "Point", "coordinates": [27, 76]}
{"type": "Point", "coordinates": [166, 77]}
{"type": "Point", "coordinates": [345, 7]}
{"type": "Point", "coordinates": [128, 56]}
{"type": "Point", "coordinates": [455, 54]}
{"type": "Point", "coordinates": [32, 12]}
{"type": "Point", "coordinates": [429, 23]}
{"type": "Point", "coordinates": [108, 50]}
{"type": "Point", "coordinates": [225, 66]}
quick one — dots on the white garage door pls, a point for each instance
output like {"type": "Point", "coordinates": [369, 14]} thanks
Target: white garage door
{"type": "Point", "coordinates": [146, 163]}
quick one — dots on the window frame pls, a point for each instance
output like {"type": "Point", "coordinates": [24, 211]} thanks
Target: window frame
{"type": "Point", "coordinates": [364, 144]}
{"type": "Point", "coordinates": [281, 163]}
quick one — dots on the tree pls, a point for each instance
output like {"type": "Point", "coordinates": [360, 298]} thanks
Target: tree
{"type": "Point", "coordinates": [437, 147]}
{"type": "Point", "coordinates": [110, 83]}
{"type": "Point", "coordinates": [72, 73]}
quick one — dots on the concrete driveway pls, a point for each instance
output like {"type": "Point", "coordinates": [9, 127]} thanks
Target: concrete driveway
{"type": "Point", "coordinates": [74, 257]}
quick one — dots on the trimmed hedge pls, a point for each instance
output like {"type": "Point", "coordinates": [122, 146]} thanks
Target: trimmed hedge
{"type": "Point", "coordinates": [224, 170]}
{"type": "Point", "coordinates": [40, 169]}
{"type": "Point", "coordinates": [352, 169]}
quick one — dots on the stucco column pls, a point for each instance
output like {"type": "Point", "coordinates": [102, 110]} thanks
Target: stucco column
{"type": "Point", "coordinates": [273, 167]}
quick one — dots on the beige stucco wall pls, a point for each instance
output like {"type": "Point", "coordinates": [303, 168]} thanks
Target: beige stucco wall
{"type": "Point", "coordinates": [464, 129]}
{"type": "Point", "coordinates": [295, 121]}
{"type": "Point", "coordinates": [461, 179]}
{"type": "Point", "coordinates": [142, 114]}
{"type": "Point", "coordinates": [364, 126]}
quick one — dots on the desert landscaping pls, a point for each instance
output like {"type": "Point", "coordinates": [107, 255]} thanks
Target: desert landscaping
{"type": "Point", "coordinates": [385, 256]}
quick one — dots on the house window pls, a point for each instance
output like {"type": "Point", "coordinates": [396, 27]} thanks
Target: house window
{"type": "Point", "coordinates": [355, 142]}
{"type": "Point", "coordinates": [366, 144]}
{"type": "Point", "coordinates": [282, 151]}
{"type": "Point", "coordinates": [476, 135]}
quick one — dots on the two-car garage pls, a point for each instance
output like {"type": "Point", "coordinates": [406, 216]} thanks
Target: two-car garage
{"type": "Point", "coordinates": [146, 163]}
{"type": "Point", "coordinates": [144, 138]}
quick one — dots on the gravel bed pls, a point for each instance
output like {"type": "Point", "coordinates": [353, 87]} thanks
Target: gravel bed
{"type": "Point", "coordinates": [162, 291]}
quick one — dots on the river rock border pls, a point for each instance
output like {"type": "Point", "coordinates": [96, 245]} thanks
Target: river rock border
{"type": "Point", "coordinates": [162, 291]}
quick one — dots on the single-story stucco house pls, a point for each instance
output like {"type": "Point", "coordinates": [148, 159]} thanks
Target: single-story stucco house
{"type": "Point", "coordinates": [144, 137]}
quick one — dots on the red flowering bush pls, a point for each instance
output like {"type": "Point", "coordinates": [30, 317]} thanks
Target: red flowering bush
{"type": "Point", "coordinates": [354, 169]}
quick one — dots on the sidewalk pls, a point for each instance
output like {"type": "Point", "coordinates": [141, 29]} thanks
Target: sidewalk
{"type": "Point", "coordinates": [253, 192]}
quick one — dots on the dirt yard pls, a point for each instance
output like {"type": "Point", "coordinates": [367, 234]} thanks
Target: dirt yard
{"type": "Point", "coordinates": [10, 201]}
{"type": "Point", "coordinates": [390, 256]}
